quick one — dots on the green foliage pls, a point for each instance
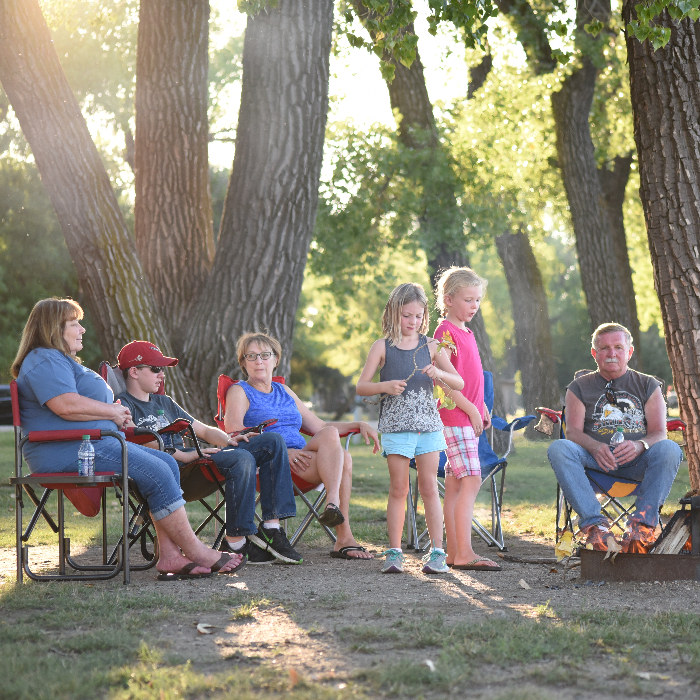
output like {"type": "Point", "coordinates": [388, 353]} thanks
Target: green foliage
{"type": "Point", "coordinates": [469, 15]}
{"type": "Point", "coordinates": [646, 25]}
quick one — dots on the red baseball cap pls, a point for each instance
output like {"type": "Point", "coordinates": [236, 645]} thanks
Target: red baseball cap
{"type": "Point", "coordinates": [141, 352]}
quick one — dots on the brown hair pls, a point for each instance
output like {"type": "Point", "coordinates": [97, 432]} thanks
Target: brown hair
{"type": "Point", "coordinates": [391, 318]}
{"type": "Point", "coordinates": [247, 339]}
{"type": "Point", "coordinates": [45, 327]}
{"type": "Point", "coordinates": [610, 328]}
{"type": "Point", "coordinates": [451, 281]}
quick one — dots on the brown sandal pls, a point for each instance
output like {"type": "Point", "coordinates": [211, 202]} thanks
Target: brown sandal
{"type": "Point", "coordinates": [224, 559]}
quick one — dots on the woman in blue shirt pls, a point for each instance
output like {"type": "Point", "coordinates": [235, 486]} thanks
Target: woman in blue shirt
{"type": "Point", "coordinates": [322, 459]}
{"type": "Point", "coordinates": [57, 393]}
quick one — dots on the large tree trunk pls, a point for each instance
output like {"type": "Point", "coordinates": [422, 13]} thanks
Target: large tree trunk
{"type": "Point", "coordinates": [608, 296]}
{"type": "Point", "coordinates": [119, 298]}
{"type": "Point", "coordinates": [531, 318]}
{"type": "Point", "coordinates": [172, 214]}
{"type": "Point", "coordinates": [272, 198]}
{"type": "Point", "coordinates": [600, 275]}
{"type": "Point", "coordinates": [665, 88]}
{"type": "Point", "coordinates": [613, 182]}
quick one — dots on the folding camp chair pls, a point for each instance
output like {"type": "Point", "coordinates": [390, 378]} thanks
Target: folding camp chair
{"type": "Point", "coordinates": [89, 496]}
{"type": "Point", "coordinates": [608, 488]}
{"type": "Point", "coordinates": [491, 466]}
{"type": "Point", "coordinates": [301, 487]}
{"type": "Point", "coordinates": [198, 480]}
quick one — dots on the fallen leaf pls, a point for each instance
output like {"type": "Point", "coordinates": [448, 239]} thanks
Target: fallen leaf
{"type": "Point", "coordinates": [429, 664]}
{"type": "Point", "coordinates": [293, 677]}
{"type": "Point", "coordinates": [204, 628]}
{"type": "Point", "coordinates": [523, 584]}
{"type": "Point", "coordinates": [553, 571]}
{"type": "Point", "coordinates": [565, 546]}
{"type": "Point", "coordinates": [648, 675]}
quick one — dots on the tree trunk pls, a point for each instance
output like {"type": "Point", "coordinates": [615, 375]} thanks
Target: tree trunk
{"type": "Point", "coordinates": [600, 276]}
{"type": "Point", "coordinates": [531, 318]}
{"type": "Point", "coordinates": [665, 89]}
{"type": "Point", "coordinates": [272, 197]}
{"type": "Point", "coordinates": [172, 213]}
{"type": "Point", "coordinates": [109, 272]}
{"type": "Point", "coordinates": [614, 184]}
{"type": "Point", "coordinates": [609, 297]}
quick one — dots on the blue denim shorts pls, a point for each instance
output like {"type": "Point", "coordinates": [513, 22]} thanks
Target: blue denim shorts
{"type": "Point", "coordinates": [412, 444]}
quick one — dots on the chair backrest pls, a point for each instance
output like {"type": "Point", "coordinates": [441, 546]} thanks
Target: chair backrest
{"type": "Point", "coordinates": [488, 458]}
{"type": "Point", "coordinates": [115, 379]}
{"type": "Point", "coordinates": [222, 386]}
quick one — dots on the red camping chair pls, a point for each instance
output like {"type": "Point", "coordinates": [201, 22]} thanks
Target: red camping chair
{"type": "Point", "coordinates": [301, 487]}
{"type": "Point", "coordinates": [86, 493]}
{"type": "Point", "coordinates": [198, 480]}
{"type": "Point", "coordinates": [608, 488]}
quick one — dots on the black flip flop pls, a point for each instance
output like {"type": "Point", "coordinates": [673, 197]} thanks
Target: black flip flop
{"type": "Point", "coordinates": [184, 574]}
{"type": "Point", "coordinates": [342, 553]}
{"type": "Point", "coordinates": [331, 516]}
{"type": "Point", "coordinates": [224, 559]}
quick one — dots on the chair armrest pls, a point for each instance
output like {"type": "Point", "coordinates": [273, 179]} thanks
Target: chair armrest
{"type": "Point", "coordinates": [65, 435]}
{"type": "Point", "coordinates": [675, 424]}
{"type": "Point", "coordinates": [140, 436]}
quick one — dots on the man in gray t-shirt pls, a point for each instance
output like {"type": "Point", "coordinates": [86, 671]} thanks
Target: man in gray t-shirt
{"type": "Point", "coordinates": [597, 404]}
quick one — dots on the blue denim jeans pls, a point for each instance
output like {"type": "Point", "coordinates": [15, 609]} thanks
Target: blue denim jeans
{"type": "Point", "coordinates": [656, 468]}
{"type": "Point", "coordinates": [156, 474]}
{"type": "Point", "coordinates": [267, 453]}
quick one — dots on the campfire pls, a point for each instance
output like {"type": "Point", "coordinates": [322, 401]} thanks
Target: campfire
{"type": "Point", "coordinates": [675, 555]}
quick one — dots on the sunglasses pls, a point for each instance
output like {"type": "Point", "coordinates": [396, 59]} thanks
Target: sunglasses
{"type": "Point", "coordinates": [252, 356]}
{"type": "Point", "coordinates": [610, 395]}
{"type": "Point", "coordinates": [155, 370]}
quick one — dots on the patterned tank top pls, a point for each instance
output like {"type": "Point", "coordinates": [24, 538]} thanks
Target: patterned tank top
{"type": "Point", "coordinates": [277, 404]}
{"type": "Point", "coordinates": [415, 410]}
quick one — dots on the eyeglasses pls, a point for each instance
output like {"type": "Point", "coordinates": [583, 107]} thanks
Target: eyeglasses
{"type": "Point", "coordinates": [155, 370]}
{"type": "Point", "coordinates": [610, 395]}
{"type": "Point", "coordinates": [252, 356]}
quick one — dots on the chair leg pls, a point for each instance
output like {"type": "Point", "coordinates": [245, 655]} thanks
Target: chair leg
{"type": "Point", "coordinates": [411, 506]}
{"type": "Point", "coordinates": [311, 515]}
{"type": "Point", "coordinates": [40, 510]}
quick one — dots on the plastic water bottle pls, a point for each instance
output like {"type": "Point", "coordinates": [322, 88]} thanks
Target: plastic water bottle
{"type": "Point", "coordinates": [86, 457]}
{"type": "Point", "coordinates": [617, 437]}
{"type": "Point", "coordinates": [162, 422]}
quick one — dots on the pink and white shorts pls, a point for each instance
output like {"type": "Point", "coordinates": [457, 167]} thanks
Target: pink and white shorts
{"type": "Point", "coordinates": [462, 451]}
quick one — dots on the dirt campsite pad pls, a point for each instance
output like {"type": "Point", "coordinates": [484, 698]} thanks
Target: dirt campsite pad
{"type": "Point", "coordinates": [520, 633]}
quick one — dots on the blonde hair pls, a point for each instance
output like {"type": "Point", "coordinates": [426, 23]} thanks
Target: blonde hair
{"type": "Point", "coordinates": [451, 281]}
{"type": "Point", "coordinates": [247, 339]}
{"type": "Point", "coordinates": [399, 297]}
{"type": "Point", "coordinates": [610, 328]}
{"type": "Point", "coordinates": [45, 327]}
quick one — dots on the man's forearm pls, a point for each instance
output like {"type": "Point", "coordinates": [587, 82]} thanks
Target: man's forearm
{"type": "Point", "coordinates": [585, 441]}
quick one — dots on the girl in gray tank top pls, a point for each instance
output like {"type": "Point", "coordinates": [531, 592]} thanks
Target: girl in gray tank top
{"type": "Point", "coordinates": [408, 420]}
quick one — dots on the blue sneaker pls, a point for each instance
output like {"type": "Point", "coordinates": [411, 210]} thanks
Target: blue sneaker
{"type": "Point", "coordinates": [435, 562]}
{"type": "Point", "coordinates": [394, 562]}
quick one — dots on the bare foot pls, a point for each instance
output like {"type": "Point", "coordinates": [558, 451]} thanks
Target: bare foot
{"type": "Point", "coordinates": [353, 553]}
{"type": "Point", "coordinates": [232, 563]}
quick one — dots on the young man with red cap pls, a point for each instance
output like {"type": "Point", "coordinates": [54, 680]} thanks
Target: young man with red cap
{"type": "Point", "coordinates": [143, 366]}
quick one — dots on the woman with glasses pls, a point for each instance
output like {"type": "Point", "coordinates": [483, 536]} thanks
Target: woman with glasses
{"type": "Point", "coordinates": [57, 393]}
{"type": "Point", "coordinates": [322, 459]}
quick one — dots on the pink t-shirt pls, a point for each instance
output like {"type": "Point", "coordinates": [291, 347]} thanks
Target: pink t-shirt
{"type": "Point", "coordinates": [468, 366]}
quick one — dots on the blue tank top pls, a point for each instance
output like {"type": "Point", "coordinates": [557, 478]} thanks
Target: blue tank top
{"type": "Point", "coordinates": [277, 404]}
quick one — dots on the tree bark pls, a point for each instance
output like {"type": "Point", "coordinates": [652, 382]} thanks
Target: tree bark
{"type": "Point", "coordinates": [594, 242]}
{"type": "Point", "coordinates": [118, 297]}
{"type": "Point", "coordinates": [665, 89]}
{"type": "Point", "coordinates": [614, 184]}
{"type": "Point", "coordinates": [172, 213]}
{"type": "Point", "coordinates": [272, 198]}
{"type": "Point", "coordinates": [531, 319]}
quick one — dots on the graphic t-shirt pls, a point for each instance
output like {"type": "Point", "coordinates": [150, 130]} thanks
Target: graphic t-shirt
{"type": "Point", "coordinates": [467, 363]}
{"type": "Point", "coordinates": [145, 413]}
{"type": "Point", "coordinates": [632, 390]}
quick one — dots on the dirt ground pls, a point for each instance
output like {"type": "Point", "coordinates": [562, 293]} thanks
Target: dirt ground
{"type": "Point", "coordinates": [312, 606]}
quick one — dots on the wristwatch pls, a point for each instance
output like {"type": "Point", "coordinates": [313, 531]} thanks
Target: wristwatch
{"type": "Point", "coordinates": [645, 445]}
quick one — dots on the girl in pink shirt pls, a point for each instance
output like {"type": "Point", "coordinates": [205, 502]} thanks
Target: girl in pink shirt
{"type": "Point", "coordinates": [458, 296]}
